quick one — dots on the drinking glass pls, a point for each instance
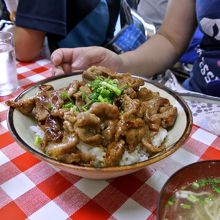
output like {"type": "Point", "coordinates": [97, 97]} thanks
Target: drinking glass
{"type": "Point", "coordinates": [8, 74]}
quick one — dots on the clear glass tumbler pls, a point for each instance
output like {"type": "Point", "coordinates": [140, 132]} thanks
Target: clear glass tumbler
{"type": "Point", "coordinates": [8, 74]}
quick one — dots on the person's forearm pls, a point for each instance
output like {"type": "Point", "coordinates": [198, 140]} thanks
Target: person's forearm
{"type": "Point", "coordinates": [163, 50]}
{"type": "Point", "coordinates": [152, 57]}
{"type": "Point", "coordinates": [28, 43]}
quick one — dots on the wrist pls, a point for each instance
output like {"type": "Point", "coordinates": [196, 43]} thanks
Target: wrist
{"type": "Point", "coordinates": [124, 64]}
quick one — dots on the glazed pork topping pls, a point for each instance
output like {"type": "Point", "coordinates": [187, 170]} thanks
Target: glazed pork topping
{"type": "Point", "coordinates": [107, 111]}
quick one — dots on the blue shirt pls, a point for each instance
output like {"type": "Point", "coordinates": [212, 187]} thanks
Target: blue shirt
{"type": "Point", "coordinates": [67, 23]}
{"type": "Point", "coordinates": [206, 68]}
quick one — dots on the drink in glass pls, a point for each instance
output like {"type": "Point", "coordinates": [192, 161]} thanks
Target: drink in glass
{"type": "Point", "coordinates": [8, 75]}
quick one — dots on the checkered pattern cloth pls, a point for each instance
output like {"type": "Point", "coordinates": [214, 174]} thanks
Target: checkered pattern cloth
{"type": "Point", "coordinates": [32, 189]}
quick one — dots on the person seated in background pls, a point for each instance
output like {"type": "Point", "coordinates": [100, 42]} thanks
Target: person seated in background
{"type": "Point", "coordinates": [64, 23]}
{"type": "Point", "coordinates": [163, 50]}
{"type": "Point", "coordinates": [152, 11]}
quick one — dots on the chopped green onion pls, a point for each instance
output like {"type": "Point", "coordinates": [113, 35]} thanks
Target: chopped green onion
{"type": "Point", "coordinates": [93, 96]}
{"type": "Point", "coordinates": [192, 198]}
{"type": "Point", "coordinates": [50, 106]}
{"type": "Point", "coordinates": [105, 92]}
{"type": "Point", "coordinates": [171, 201]}
{"type": "Point", "coordinates": [64, 95]}
{"type": "Point", "coordinates": [102, 90]}
{"type": "Point", "coordinates": [203, 182]}
{"type": "Point", "coordinates": [68, 105]}
{"type": "Point", "coordinates": [38, 140]}
{"type": "Point", "coordinates": [101, 99]}
{"type": "Point", "coordinates": [216, 189]}
{"type": "Point", "coordinates": [84, 95]}
{"type": "Point", "coordinates": [113, 88]}
{"type": "Point", "coordinates": [216, 180]}
{"type": "Point", "coordinates": [87, 106]}
{"type": "Point", "coordinates": [195, 185]}
{"type": "Point", "coordinates": [185, 206]}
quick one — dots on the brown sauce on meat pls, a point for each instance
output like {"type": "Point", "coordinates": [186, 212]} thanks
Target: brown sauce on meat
{"type": "Point", "coordinates": [68, 116]}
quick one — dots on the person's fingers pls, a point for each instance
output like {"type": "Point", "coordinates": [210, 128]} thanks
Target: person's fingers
{"type": "Point", "coordinates": [56, 71]}
{"type": "Point", "coordinates": [95, 56]}
{"type": "Point", "coordinates": [85, 57]}
{"type": "Point", "coordinates": [62, 55]}
{"type": "Point", "coordinates": [67, 67]}
{"type": "Point", "coordinates": [71, 59]}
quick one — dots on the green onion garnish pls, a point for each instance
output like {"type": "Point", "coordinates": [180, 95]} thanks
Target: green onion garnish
{"type": "Point", "coordinates": [185, 206]}
{"type": "Point", "coordinates": [38, 140]}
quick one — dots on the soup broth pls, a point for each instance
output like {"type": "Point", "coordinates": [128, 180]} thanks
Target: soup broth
{"type": "Point", "coordinates": [199, 200]}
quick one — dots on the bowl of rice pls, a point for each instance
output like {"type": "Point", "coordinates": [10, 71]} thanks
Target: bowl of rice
{"type": "Point", "coordinates": [192, 192]}
{"type": "Point", "coordinates": [104, 127]}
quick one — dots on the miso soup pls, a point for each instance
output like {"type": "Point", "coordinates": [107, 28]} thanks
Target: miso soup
{"type": "Point", "coordinates": [199, 200]}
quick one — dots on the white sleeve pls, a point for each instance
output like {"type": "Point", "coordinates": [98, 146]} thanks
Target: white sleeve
{"type": "Point", "coordinates": [11, 5]}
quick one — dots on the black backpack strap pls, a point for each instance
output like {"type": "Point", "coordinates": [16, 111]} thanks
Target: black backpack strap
{"type": "Point", "coordinates": [114, 9]}
{"type": "Point", "coordinates": [125, 14]}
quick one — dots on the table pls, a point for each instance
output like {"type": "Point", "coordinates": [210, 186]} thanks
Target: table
{"type": "Point", "coordinates": [33, 189]}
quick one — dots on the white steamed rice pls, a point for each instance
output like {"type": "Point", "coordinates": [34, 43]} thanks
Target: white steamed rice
{"type": "Point", "coordinates": [138, 155]}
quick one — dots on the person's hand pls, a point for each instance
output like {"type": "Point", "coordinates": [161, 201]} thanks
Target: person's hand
{"type": "Point", "coordinates": [67, 60]}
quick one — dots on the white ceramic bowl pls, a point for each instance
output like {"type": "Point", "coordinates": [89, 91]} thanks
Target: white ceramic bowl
{"type": "Point", "coordinates": [19, 125]}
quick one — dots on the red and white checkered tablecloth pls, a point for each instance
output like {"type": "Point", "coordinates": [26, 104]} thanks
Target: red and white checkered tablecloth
{"type": "Point", "coordinates": [32, 189]}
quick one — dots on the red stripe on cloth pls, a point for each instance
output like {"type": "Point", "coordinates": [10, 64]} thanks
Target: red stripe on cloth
{"type": "Point", "coordinates": [91, 211]}
{"type": "Point", "coordinates": [25, 161]}
{"type": "Point", "coordinates": [194, 129]}
{"type": "Point", "coordinates": [7, 171]}
{"type": "Point", "coordinates": [31, 201]}
{"type": "Point", "coordinates": [5, 98]}
{"type": "Point", "coordinates": [147, 197]}
{"type": "Point", "coordinates": [40, 70]}
{"type": "Point", "coordinates": [114, 201]}
{"type": "Point", "coordinates": [211, 154]}
{"type": "Point", "coordinates": [25, 63]}
{"type": "Point", "coordinates": [54, 185]}
{"type": "Point", "coordinates": [6, 139]}
{"type": "Point", "coordinates": [20, 76]}
{"type": "Point", "coordinates": [216, 143]}
{"type": "Point", "coordinates": [3, 116]}
{"type": "Point", "coordinates": [121, 183]}
{"type": "Point", "coordinates": [12, 211]}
